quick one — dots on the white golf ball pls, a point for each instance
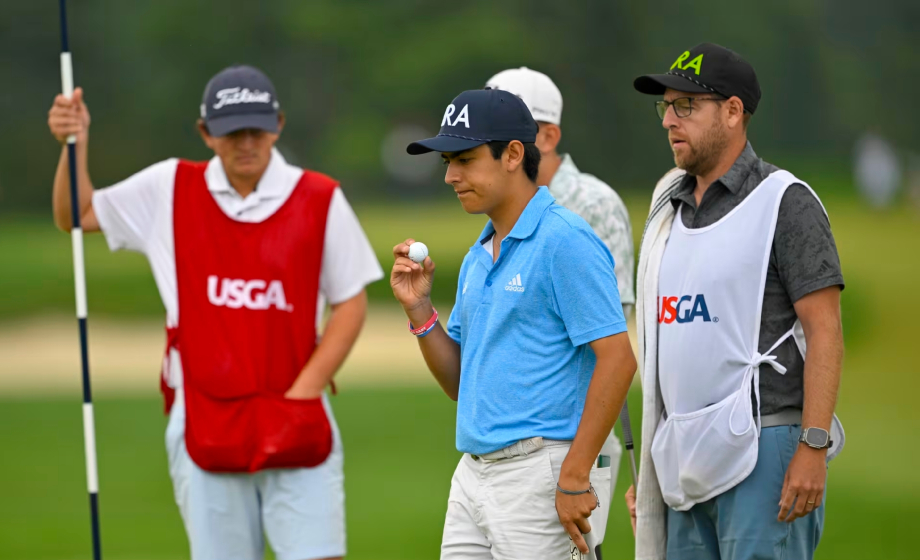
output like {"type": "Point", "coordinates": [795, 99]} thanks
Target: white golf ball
{"type": "Point", "coordinates": [418, 251]}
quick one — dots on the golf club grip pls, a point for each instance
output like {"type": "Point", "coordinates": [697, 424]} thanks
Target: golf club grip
{"type": "Point", "coordinates": [627, 427]}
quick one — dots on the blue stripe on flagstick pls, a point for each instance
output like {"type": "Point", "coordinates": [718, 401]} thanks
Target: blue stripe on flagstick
{"type": "Point", "coordinates": [64, 46]}
{"type": "Point", "coordinates": [74, 197]}
{"type": "Point", "coordinates": [94, 511]}
{"type": "Point", "coordinates": [84, 356]}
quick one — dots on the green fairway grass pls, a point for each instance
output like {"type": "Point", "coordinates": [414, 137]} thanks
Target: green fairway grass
{"type": "Point", "coordinates": [399, 458]}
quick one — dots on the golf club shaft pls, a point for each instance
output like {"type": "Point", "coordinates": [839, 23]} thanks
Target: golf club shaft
{"type": "Point", "coordinates": [628, 442]}
{"type": "Point", "coordinates": [89, 428]}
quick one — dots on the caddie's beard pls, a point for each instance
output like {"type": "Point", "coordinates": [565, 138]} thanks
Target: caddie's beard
{"type": "Point", "coordinates": [703, 155]}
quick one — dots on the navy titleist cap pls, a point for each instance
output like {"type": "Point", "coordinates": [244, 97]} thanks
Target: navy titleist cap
{"type": "Point", "coordinates": [479, 116]}
{"type": "Point", "coordinates": [239, 97]}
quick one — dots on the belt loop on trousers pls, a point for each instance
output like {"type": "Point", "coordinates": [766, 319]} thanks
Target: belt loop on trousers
{"type": "Point", "coordinates": [519, 448]}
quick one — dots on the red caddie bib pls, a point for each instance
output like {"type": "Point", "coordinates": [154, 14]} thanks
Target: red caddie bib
{"type": "Point", "coordinates": [247, 326]}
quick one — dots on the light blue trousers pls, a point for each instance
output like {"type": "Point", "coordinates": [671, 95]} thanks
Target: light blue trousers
{"type": "Point", "coordinates": [741, 523]}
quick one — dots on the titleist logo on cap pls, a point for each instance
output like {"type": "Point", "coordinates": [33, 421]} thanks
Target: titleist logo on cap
{"type": "Point", "coordinates": [236, 95]}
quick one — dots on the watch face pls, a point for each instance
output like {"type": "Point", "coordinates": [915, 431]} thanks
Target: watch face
{"type": "Point", "coordinates": [816, 437]}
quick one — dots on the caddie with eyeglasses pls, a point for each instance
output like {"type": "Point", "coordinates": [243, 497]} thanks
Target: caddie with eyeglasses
{"type": "Point", "coordinates": [738, 275]}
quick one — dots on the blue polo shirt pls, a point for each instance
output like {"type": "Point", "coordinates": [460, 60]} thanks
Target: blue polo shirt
{"type": "Point", "coordinates": [524, 323]}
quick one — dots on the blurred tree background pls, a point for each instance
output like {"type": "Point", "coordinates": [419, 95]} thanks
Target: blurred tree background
{"type": "Point", "coordinates": [350, 74]}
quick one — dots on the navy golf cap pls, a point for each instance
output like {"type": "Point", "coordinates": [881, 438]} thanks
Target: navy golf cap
{"type": "Point", "coordinates": [479, 116]}
{"type": "Point", "coordinates": [239, 97]}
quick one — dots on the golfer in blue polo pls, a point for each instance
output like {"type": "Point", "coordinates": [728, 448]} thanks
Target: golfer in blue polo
{"type": "Point", "coordinates": [535, 351]}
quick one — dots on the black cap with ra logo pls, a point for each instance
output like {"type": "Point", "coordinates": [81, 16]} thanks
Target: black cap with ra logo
{"type": "Point", "coordinates": [707, 68]}
{"type": "Point", "coordinates": [477, 117]}
{"type": "Point", "coordinates": [237, 98]}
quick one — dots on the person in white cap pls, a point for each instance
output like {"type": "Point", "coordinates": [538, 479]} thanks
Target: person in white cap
{"type": "Point", "coordinates": [582, 193]}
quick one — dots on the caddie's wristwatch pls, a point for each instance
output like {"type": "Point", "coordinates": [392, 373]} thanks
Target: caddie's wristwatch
{"type": "Point", "coordinates": [816, 438]}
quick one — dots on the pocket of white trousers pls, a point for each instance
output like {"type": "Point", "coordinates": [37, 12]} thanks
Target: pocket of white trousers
{"type": "Point", "coordinates": [601, 480]}
{"type": "Point", "coordinates": [704, 453]}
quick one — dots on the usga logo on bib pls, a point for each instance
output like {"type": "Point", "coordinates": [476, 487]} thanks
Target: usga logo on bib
{"type": "Point", "coordinates": [251, 294]}
{"type": "Point", "coordinates": [684, 309]}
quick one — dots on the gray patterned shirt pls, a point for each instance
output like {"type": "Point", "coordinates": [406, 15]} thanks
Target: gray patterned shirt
{"type": "Point", "coordinates": [603, 209]}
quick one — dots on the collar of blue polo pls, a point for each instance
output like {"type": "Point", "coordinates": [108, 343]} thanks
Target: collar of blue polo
{"type": "Point", "coordinates": [528, 220]}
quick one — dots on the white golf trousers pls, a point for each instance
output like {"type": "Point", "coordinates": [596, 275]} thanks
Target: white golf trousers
{"type": "Point", "coordinates": [506, 509]}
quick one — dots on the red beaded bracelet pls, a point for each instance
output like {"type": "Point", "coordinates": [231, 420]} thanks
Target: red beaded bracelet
{"type": "Point", "coordinates": [427, 326]}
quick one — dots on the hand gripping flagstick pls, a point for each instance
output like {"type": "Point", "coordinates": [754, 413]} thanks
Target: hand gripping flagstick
{"type": "Point", "coordinates": [89, 429]}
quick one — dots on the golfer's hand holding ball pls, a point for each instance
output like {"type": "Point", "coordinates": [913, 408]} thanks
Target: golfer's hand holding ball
{"type": "Point", "coordinates": [411, 280]}
{"type": "Point", "coordinates": [69, 116]}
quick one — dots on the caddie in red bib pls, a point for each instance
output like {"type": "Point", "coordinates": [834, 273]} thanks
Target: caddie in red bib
{"type": "Point", "coordinates": [243, 349]}
{"type": "Point", "coordinates": [247, 250]}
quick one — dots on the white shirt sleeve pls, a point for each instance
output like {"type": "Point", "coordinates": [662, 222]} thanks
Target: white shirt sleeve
{"type": "Point", "coordinates": [127, 210]}
{"type": "Point", "coordinates": [349, 262]}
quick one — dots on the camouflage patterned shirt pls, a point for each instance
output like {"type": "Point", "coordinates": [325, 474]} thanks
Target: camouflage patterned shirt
{"type": "Point", "coordinates": [603, 209]}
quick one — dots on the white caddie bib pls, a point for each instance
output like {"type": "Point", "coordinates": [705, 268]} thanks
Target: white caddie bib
{"type": "Point", "coordinates": [711, 289]}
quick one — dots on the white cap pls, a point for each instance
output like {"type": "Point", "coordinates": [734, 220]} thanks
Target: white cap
{"type": "Point", "coordinates": [536, 89]}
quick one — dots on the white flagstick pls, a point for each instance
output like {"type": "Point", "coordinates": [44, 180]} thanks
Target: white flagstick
{"type": "Point", "coordinates": [79, 274]}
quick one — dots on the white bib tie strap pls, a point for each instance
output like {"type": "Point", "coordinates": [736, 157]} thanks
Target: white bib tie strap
{"type": "Point", "coordinates": [767, 359]}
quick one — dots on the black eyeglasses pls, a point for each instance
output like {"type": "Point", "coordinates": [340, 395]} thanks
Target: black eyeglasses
{"type": "Point", "coordinates": [683, 106]}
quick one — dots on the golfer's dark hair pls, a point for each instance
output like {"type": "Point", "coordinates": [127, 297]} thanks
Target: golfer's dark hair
{"type": "Point", "coordinates": [531, 157]}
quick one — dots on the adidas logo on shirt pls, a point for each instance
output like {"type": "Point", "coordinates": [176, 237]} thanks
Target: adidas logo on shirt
{"type": "Point", "coordinates": [515, 285]}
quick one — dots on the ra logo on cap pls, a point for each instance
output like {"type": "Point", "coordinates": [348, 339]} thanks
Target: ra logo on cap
{"type": "Point", "coordinates": [695, 63]}
{"type": "Point", "coordinates": [463, 116]}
